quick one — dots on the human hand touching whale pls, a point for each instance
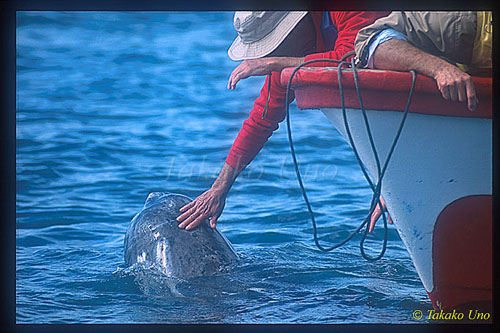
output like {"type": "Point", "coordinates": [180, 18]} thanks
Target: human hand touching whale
{"type": "Point", "coordinates": [210, 204]}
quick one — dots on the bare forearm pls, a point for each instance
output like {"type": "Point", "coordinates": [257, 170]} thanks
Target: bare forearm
{"type": "Point", "coordinates": [453, 83]}
{"type": "Point", "coordinates": [279, 63]}
{"type": "Point", "coordinates": [261, 66]}
{"type": "Point", "coordinates": [225, 180]}
{"type": "Point", "coordinates": [399, 55]}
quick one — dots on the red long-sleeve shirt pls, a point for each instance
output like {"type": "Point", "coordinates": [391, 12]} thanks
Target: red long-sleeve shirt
{"type": "Point", "coordinates": [256, 131]}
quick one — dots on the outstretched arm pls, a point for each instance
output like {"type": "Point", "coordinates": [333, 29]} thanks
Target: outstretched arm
{"type": "Point", "coordinates": [453, 83]}
{"type": "Point", "coordinates": [260, 67]}
{"type": "Point", "coordinates": [250, 140]}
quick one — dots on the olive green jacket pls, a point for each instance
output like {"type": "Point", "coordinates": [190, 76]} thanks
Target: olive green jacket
{"type": "Point", "coordinates": [449, 35]}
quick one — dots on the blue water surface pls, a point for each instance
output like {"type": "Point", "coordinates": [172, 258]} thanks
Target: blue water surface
{"type": "Point", "coordinates": [114, 105]}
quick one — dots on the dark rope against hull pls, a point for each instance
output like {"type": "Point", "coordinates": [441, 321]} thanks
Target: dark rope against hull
{"type": "Point", "coordinates": [380, 172]}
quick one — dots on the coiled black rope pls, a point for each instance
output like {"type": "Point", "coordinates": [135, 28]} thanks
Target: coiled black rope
{"type": "Point", "coordinates": [375, 188]}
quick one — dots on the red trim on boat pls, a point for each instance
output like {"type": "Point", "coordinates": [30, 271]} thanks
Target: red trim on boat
{"type": "Point", "coordinates": [317, 87]}
{"type": "Point", "coordinates": [462, 253]}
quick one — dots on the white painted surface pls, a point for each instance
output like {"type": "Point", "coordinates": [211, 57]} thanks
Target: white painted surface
{"type": "Point", "coordinates": [436, 161]}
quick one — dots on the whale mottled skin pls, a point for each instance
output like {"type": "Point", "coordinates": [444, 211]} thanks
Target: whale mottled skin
{"type": "Point", "coordinates": [153, 237]}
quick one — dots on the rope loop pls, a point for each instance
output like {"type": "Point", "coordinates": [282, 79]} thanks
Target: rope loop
{"type": "Point", "coordinates": [376, 188]}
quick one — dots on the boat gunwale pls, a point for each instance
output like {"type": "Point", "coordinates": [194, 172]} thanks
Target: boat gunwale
{"type": "Point", "coordinates": [317, 87]}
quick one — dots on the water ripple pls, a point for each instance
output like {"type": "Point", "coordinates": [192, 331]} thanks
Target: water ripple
{"type": "Point", "coordinates": [114, 105]}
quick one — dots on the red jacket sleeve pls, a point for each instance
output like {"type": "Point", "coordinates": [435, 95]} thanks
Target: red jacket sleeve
{"type": "Point", "coordinates": [348, 24]}
{"type": "Point", "coordinates": [256, 131]}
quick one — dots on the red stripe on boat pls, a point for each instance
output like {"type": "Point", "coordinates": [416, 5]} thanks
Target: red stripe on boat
{"type": "Point", "coordinates": [462, 253]}
{"type": "Point", "coordinates": [317, 87]}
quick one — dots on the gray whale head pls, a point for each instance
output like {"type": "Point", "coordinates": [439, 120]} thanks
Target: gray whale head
{"type": "Point", "coordinates": [153, 237]}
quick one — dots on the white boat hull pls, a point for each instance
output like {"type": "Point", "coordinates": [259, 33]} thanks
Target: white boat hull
{"type": "Point", "coordinates": [437, 161]}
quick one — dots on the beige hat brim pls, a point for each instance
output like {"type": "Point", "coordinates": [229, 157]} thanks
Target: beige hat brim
{"type": "Point", "coordinates": [240, 51]}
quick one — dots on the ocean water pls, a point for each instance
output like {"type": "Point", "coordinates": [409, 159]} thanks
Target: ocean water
{"type": "Point", "coordinates": [114, 105]}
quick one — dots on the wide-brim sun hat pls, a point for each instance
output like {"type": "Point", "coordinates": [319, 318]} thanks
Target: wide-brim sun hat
{"type": "Point", "coordinates": [260, 33]}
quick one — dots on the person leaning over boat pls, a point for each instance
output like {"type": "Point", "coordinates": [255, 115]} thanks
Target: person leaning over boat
{"type": "Point", "coordinates": [267, 42]}
{"type": "Point", "coordinates": [447, 46]}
